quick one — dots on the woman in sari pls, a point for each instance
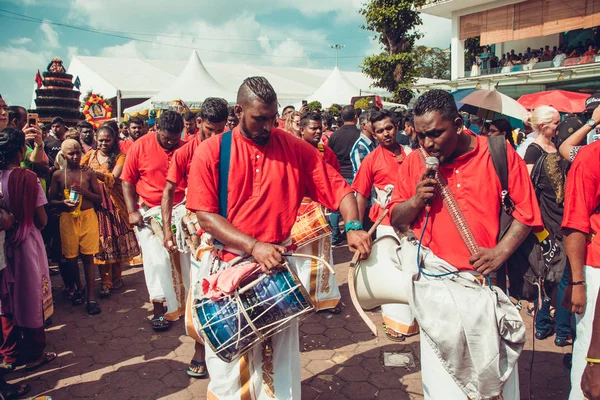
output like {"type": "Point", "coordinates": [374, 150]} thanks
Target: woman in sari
{"type": "Point", "coordinates": [117, 239]}
{"type": "Point", "coordinates": [25, 288]}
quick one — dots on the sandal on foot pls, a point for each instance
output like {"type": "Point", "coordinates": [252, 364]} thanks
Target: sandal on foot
{"type": "Point", "coordinates": [104, 292]}
{"type": "Point", "coordinates": [160, 324]}
{"type": "Point", "coordinates": [197, 369]}
{"type": "Point", "coordinates": [93, 307]}
{"type": "Point", "coordinates": [563, 342]}
{"type": "Point", "coordinates": [78, 297]}
{"type": "Point", "coordinates": [393, 335]}
{"type": "Point", "coordinates": [48, 357]}
{"type": "Point", "coordinates": [543, 335]}
{"type": "Point", "coordinates": [16, 391]}
{"type": "Point", "coordinates": [117, 284]}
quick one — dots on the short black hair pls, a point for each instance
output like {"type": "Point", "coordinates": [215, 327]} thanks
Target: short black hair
{"type": "Point", "coordinates": [137, 121]}
{"type": "Point", "coordinates": [113, 125]}
{"type": "Point", "coordinates": [84, 124]}
{"type": "Point", "coordinates": [286, 107]}
{"type": "Point", "coordinates": [57, 120]}
{"type": "Point", "coordinates": [231, 112]}
{"type": "Point", "coordinates": [348, 113]}
{"type": "Point", "coordinates": [309, 116]}
{"type": "Point", "coordinates": [214, 109]}
{"type": "Point", "coordinates": [379, 115]}
{"type": "Point", "coordinates": [189, 116]}
{"type": "Point", "coordinates": [123, 124]}
{"type": "Point", "coordinates": [437, 100]}
{"type": "Point", "coordinates": [256, 87]}
{"type": "Point", "coordinates": [327, 119]}
{"type": "Point", "coordinates": [16, 112]}
{"type": "Point", "coordinates": [170, 121]}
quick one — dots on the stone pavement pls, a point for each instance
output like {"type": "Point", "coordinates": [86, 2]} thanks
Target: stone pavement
{"type": "Point", "coordinates": [116, 355]}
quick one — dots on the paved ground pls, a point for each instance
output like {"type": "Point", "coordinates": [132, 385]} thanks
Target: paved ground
{"type": "Point", "coordinates": [116, 355]}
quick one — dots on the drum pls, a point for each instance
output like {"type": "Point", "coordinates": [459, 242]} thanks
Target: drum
{"type": "Point", "coordinates": [262, 306]}
{"type": "Point", "coordinates": [310, 225]}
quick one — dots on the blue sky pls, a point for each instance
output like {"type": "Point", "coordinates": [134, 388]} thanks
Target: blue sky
{"type": "Point", "coordinates": [260, 32]}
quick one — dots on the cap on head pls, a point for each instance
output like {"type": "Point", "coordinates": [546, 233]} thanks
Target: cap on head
{"type": "Point", "coordinates": [593, 102]}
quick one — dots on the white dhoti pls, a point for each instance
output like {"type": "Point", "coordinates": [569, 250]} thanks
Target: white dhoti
{"type": "Point", "coordinates": [318, 281]}
{"type": "Point", "coordinates": [264, 373]}
{"type": "Point", "coordinates": [397, 317]}
{"type": "Point", "coordinates": [438, 384]}
{"type": "Point", "coordinates": [583, 324]}
{"type": "Point", "coordinates": [167, 277]}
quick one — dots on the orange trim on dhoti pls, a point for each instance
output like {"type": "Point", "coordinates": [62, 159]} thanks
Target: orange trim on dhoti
{"type": "Point", "coordinates": [211, 396]}
{"type": "Point", "coordinates": [325, 304]}
{"type": "Point", "coordinates": [401, 328]}
{"type": "Point", "coordinates": [189, 322]}
{"type": "Point", "coordinates": [245, 378]}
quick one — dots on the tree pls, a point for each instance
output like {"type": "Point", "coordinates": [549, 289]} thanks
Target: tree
{"type": "Point", "coordinates": [394, 21]}
{"type": "Point", "coordinates": [432, 62]}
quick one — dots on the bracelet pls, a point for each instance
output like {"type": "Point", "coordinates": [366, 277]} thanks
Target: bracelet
{"type": "Point", "coordinates": [578, 283]}
{"type": "Point", "coordinates": [41, 146]}
{"type": "Point", "coordinates": [253, 246]}
{"type": "Point", "coordinates": [593, 361]}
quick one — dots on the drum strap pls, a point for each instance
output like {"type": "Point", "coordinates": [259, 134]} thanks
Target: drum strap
{"type": "Point", "coordinates": [224, 161]}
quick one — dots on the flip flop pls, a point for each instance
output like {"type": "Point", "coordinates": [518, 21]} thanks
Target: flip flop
{"type": "Point", "coordinates": [104, 292]}
{"type": "Point", "coordinates": [197, 369]}
{"type": "Point", "coordinates": [78, 297]}
{"type": "Point", "coordinates": [48, 357]}
{"type": "Point", "coordinates": [160, 324]}
{"type": "Point", "coordinates": [393, 335]}
{"type": "Point", "coordinates": [16, 391]}
{"type": "Point", "coordinates": [93, 308]}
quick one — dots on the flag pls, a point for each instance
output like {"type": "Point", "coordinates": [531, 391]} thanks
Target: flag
{"type": "Point", "coordinates": [38, 79]}
{"type": "Point", "coordinates": [77, 82]}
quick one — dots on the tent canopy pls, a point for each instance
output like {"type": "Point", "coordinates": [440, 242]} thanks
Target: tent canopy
{"type": "Point", "coordinates": [193, 85]}
{"type": "Point", "coordinates": [336, 89]}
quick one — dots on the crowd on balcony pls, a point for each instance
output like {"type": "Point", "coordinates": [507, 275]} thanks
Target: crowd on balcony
{"type": "Point", "coordinates": [489, 63]}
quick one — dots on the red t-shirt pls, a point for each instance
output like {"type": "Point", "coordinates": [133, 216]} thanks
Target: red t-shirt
{"type": "Point", "coordinates": [146, 167]}
{"type": "Point", "coordinates": [182, 160]}
{"type": "Point", "coordinates": [325, 137]}
{"type": "Point", "coordinates": [582, 198]}
{"type": "Point", "coordinates": [189, 136]}
{"type": "Point", "coordinates": [125, 145]}
{"type": "Point", "coordinates": [330, 158]}
{"type": "Point", "coordinates": [475, 185]}
{"type": "Point", "coordinates": [379, 168]}
{"type": "Point", "coordinates": [266, 183]}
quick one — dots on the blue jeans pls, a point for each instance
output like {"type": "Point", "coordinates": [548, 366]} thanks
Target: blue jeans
{"type": "Point", "coordinates": [563, 317]}
{"type": "Point", "coordinates": [334, 220]}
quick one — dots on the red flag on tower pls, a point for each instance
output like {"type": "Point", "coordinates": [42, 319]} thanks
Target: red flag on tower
{"type": "Point", "coordinates": [38, 79]}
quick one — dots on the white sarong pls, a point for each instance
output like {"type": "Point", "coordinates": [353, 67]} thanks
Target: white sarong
{"type": "Point", "coordinates": [165, 283]}
{"type": "Point", "coordinates": [319, 282]}
{"type": "Point", "coordinates": [397, 317]}
{"type": "Point", "coordinates": [584, 323]}
{"type": "Point", "coordinates": [257, 375]}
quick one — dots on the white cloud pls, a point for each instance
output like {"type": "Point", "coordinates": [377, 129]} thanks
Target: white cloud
{"type": "Point", "coordinates": [21, 41]}
{"type": "Point", "coordinates": [14, 58]}
{"type": "Point", "coordinates": [74, 51]}
{"type": "Point", "coordinates": [50, 34]}
{"type": "Point", "coordinates": [437, 31]}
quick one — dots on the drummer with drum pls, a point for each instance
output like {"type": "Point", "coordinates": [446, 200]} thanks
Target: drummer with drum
{"type": "Point", "coordinates": [212, 117]}
{"type": "Point", "coordinates": [375, 178]}
{"type": "Point", "coordinates": [247, 189]}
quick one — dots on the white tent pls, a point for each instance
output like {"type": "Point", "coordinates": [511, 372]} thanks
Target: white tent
{"type": "Point", "coordinates": [336, 89]}
{"type": "Point", "coordinates": [193, 85]}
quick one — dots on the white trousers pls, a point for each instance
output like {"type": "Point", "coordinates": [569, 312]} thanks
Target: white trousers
{"type": "Point", "coordinates": [397, 317]}
{"type": "Point", "coordinates": [583, 325]}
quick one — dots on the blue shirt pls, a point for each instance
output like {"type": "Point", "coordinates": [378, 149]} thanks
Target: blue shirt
{"type": "Point", "coordinates": [360, 150]}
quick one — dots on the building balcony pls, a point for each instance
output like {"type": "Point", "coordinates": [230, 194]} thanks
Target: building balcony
{"type": "Point", "coordinates": [569, 62]}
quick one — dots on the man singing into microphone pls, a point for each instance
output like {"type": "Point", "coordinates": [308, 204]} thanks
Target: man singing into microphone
{"type": "Point", "coordinates": [473, 194]}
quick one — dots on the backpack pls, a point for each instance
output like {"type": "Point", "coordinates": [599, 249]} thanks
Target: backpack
{"type": "Point", "coordinates": [526, 268]}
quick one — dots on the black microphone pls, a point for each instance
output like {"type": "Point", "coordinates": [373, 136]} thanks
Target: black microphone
{"type": "Point", "coordinates": [432, 164]}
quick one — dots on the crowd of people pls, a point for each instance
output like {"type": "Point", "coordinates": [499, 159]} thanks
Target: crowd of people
{"type": "Point", "coordinates": [488, 62]}
{"type": "Point", "coordinates": [125, 193]}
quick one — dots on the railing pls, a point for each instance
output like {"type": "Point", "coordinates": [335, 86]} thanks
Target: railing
{"type": "Point", "coordinates": [530, 67]}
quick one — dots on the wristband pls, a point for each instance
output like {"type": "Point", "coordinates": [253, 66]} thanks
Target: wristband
{"type": "Point", "coordinates": [38, 146]}
{"type": "Point", "coordinates": [354, 225]}
{"type": "Point", "coordinates": [578, 283]}
{"type": "Point", "coordinates": [593, 361]}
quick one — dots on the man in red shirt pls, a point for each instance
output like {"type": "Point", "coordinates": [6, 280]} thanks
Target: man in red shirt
{"type": "Point", "coordinates": [581, 223]}
{"type": "Point", "coordinates": [191, 128]}
{"type": "Point", "coordinates": [137, 129]}
{"type": "Point", "coordinates": [270, 172]}
{"type": "Point", "coordinates": [144, 178]}
{"type": "Point", "coordinates": [213, 117]}
{"type": "Point", "coordinates": [375, 178]}
{"type": "Point", "coordinates": [473, 185]}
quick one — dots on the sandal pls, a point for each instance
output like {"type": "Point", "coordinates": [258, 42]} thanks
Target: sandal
{"type": "Point", "coordinates": [543, 335]}
{"type": "Point", "coordinates": [117, 284]}
{"type": "Point", "coordinates": [6, 367]}
{"type": "Point", "coordinates": [335, 310]}
{"type": "Point", "coordinates": [563, 342]}
{"type": "Point", "coordinates": [197, 369]}
{"type": "Point", "coordinates": [48, 357]}
{"type": "Point", "coordinates": [104, 292]}
{"type": "Point", "coordinates": [393, 335]}
{"type": "Point", "coordinates": [69, 292]}
{"type": "Point", "coordinates": [160, 324]}
{"type": "Point", "coordinates": [16, 391]}
{"type": "Point", "coordinates": [93, 307]}
{"type": "Point", "coordinates": [78, 297]}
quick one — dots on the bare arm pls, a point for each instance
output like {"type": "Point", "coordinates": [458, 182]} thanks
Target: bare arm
{"type": "Point", "coordinates": [405, 213]}
{"type": "Point", "coordinates": [358, 241]}
{"type": "Point", "coordinates": [131, 200]}
{"type": "Point", "coordinates": [117, 171]}
{"type": "Point", "coordinates": [55, 195]}
{"type": "Point", "coordinates": [576, 138]}
{"type": "Point", "coordinates": [40, 218]}
{"type": "Point", "coordinates": [166, 209]}
{"type": "Point", "coordinates": [361, 202]}
{"type": "Point", "coordinates": [575, 296]}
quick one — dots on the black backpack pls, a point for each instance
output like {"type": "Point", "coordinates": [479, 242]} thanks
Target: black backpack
{"type": "Point", "coordinates": [525, 268]}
